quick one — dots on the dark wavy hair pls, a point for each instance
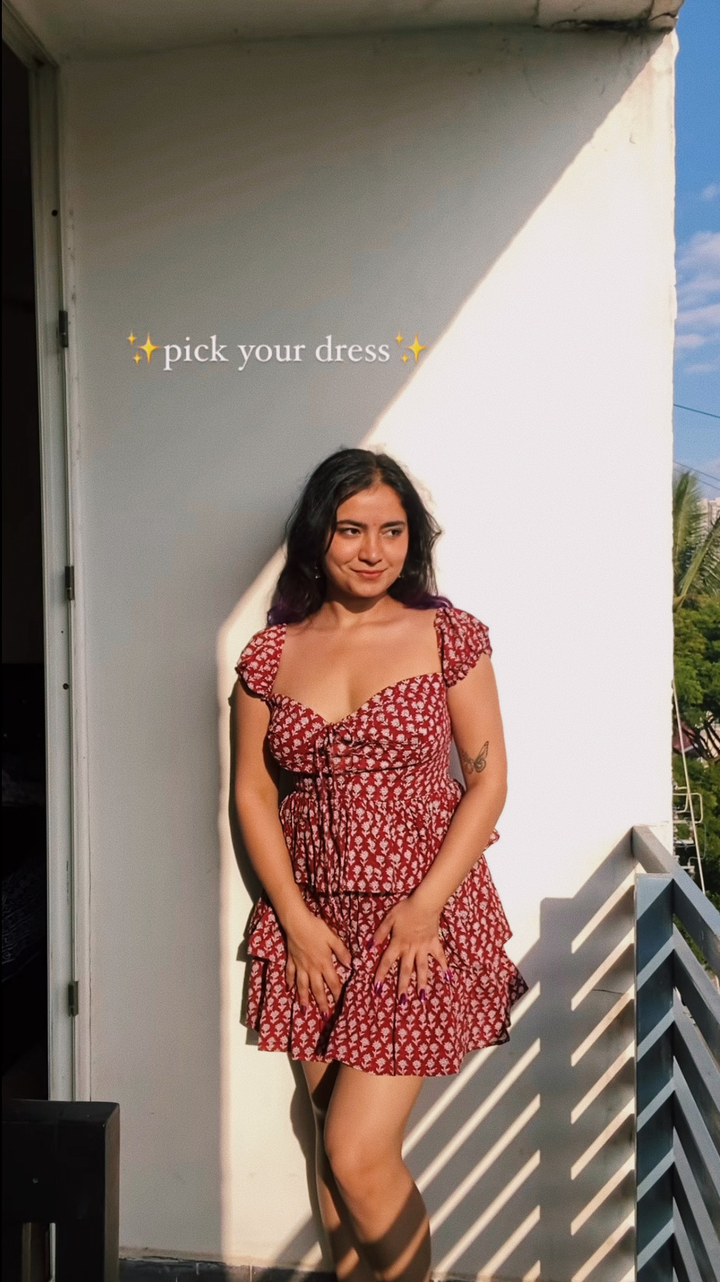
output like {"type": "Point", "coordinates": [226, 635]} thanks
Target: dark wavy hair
{"type": "Point", "coordinates": [300, 589]}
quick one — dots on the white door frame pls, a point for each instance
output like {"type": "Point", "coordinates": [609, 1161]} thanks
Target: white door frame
{"type": "Point", "coordinates": [66, 754]}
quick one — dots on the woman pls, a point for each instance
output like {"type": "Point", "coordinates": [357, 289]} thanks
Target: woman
{"type": "Point", "coordinates": [377, 946]}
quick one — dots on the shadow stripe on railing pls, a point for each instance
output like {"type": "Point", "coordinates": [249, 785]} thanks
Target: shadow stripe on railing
{"type": "Point", "coordinates": [677, 1072]}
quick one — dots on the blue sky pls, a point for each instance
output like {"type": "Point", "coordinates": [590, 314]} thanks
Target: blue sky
{"type": "Point", "coordinates": [697, 227]}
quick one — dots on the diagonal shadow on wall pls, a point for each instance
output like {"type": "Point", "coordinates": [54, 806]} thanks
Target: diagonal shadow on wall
{"type": "Point", "coordinates": [525, 1158]}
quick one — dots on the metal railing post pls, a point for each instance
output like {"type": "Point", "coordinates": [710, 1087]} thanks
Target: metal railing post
{"type": "Point", "coordinates": [654, 1076]}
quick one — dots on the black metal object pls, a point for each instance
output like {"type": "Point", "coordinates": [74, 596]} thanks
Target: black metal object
{"type": "Point", "coordinates": [24, 875]}
{"type": "Point", "coordinates": [61, 1167]}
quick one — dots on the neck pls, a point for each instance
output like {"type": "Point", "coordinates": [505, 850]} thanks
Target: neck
{"type": "Point", "coordinates": [345, 610]}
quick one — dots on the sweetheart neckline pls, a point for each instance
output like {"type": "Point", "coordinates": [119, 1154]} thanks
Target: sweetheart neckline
{"type": "Point", "coordinates": [287, 698]}
{"type": "Point", "coordinates": [393, 686]}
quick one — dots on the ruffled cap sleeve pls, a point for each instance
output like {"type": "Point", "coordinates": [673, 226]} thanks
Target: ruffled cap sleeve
{"type": "Point", "coordinates": [463, 638]}
{"type": "Point", "coordinates": [259, 661]}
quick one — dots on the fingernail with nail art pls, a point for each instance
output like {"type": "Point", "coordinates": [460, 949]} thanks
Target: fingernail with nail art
{"type": "Point", "coordinates": [370, 943]}
{"type": "Point", "coordinates": [422, 994]}
{"type": "Point", "coordinates": [377, 988]}
{"type": "Point", "coordinates": [403, 999]}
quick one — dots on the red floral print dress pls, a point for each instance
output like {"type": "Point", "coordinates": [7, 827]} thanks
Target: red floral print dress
{"type": "Point", "coordinates": [372, 800]}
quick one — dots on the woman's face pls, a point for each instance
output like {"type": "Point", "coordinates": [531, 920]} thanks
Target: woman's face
{"type": "Point", "coordinates": [369, 544]}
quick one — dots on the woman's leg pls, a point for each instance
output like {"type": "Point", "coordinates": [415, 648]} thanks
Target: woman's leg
{"type": "Point", "coordinates": [364, 1127]}
{"type": "Point", "coordinates": [349, 1264]}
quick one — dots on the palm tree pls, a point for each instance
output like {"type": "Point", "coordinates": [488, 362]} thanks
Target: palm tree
{"type": "Point", "coordinates": [696, 550]}
{"type": "Point", "coordinates": [696, 577]}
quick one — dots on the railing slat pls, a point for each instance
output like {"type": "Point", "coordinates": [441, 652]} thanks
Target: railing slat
{"type": "Point", "coordinates": [655, 1260]}
{"type": "Point", "coordinates": [698, 1069]}
{"type": "Point", "coordinates": [701, 920]}
{"type": "Point", "coordinates": [702, 1237]}
{"type": "Point", "coordinates": [654, 1077]}
{"type": "Point", "coordinates": [683, 1261]}
{"type": "Point", "coordinates": [650, 852]}
{"type": "Point", "coordinates": [697, 992]}
{"type": "Point", "coordinates": [697, 1145]}
{"type": "Point", "coordinates": [698, 915]}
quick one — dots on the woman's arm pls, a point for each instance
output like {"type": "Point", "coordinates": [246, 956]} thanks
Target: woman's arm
{"type": "Point", "coordinates": [310, 941]}
{"type": "Point", "coordinates": [478, 732]}
{"type": "Point", "coordinates": [256, 803]}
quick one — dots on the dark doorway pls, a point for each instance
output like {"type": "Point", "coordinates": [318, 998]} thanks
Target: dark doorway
{"type": "Point", "coordinates": [24, 863]}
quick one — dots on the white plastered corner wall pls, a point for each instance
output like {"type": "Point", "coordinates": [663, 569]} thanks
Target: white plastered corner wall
{"type": "Point", "coordinates": [508, 196]}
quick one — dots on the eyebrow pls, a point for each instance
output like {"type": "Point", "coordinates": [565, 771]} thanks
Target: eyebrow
{"type": "Point", "coordinates": [362, 525]}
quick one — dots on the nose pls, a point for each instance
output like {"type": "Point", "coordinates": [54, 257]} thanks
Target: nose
{"type": "Point", "coordinates": [370, 548]}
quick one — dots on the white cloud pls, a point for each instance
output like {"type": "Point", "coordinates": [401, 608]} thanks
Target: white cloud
{"type": "Point", "coordinates": [711, 192]}
{"type": "Point", "coordinates": [703, 247]}
{"type": "Point", "coordinates": [698, 288]}
{"type": "Point", "coordinates": [698, 268]}
{"type": "Point", "coordinates": [703, 318]}
{"type": "Point", "coordinates": [704, 367]}
{"type": "Point", "coordinates": [689, 341]}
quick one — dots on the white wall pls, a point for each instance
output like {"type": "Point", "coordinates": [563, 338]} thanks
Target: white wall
{"type": "Point", "coordinates": [507, 195]}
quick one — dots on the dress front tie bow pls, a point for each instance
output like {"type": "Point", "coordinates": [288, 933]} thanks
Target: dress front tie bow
{"type": "Point", "coordinates": [327, 775]}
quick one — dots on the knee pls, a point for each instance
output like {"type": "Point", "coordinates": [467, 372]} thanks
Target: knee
{"type": "Point", "coordinates": [353, 1160]}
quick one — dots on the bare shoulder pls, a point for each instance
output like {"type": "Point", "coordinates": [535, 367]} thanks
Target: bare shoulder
{"type": "Point", "coordinates": [418, 620]}
{"type": "Point", "coordinates": [297, 629]}
{"type": "Point", "coordinates": [299, 636]}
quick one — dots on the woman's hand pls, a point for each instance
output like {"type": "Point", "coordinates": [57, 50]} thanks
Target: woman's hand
{"type": "Point", "coordinates": [413, 932]}
{"type": "Point", "coordinates": [310, 966]}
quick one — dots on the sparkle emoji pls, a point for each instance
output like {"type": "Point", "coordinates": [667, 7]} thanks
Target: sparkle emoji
{"type": "Point", "coordinates": [148, 347]}
{"type": "Point", "coordinates": [137, 358]}
{"type": "Point", "coordinates": [131, 338]}
{"type": "Point", "coordinates": [415, 347]}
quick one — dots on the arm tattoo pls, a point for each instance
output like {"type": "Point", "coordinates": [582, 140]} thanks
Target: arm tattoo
{"type": "Point", "coordinates": [476, 764]}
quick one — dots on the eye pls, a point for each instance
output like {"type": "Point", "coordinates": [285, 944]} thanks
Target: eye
{"type": "Point", "coordinates": [348, 529]}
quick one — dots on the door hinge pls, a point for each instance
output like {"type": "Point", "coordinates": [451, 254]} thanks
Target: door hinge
{"type": "Point", "coordinates": [70, 582]}
{"type": "Point", "coordinates": [73, 995]}
{"type": "Point", "coordinates": [63, 328]}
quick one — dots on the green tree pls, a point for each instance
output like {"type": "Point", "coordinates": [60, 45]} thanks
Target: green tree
{"type": "Point", "coordinates": [697, 674]}
{"type": "Point", "coordinates": [696, 571]}
{"type": "Point", "coordinates": [696, 550]}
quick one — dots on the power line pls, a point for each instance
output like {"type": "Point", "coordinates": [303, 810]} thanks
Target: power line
{"type": "Point", "coordinates": [712, 482]}
{"type": "Point", "coordinates": [708, 475]}
{"type": "Point", "coordinates": [705, 413]}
